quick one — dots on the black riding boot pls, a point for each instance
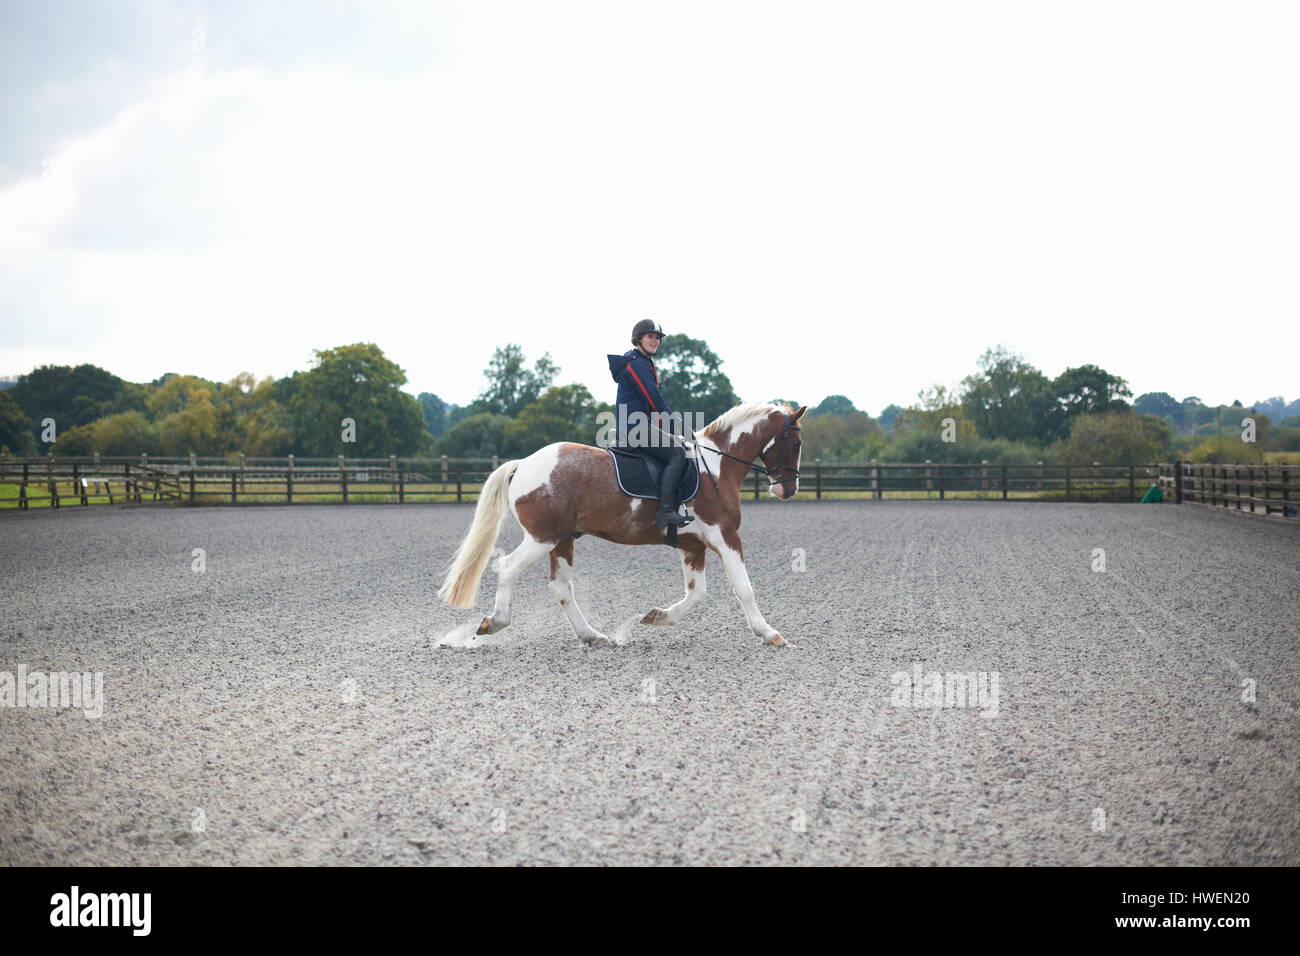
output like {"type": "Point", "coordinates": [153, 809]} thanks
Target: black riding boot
{"type": "Point", "coordinates": [668, 503]}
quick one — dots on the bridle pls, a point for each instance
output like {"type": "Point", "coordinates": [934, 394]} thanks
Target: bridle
{"type": "Point", "coordinates": [776, 469]}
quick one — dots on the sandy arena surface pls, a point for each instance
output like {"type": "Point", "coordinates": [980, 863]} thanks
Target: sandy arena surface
{"type": "Point", "coordinates": [292, 705]}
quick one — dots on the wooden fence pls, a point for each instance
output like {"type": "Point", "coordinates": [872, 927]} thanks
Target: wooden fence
{"type": "Point", "coordinates": [1259, 489]}
{"type": "Point", "coordinates": [55, 480]}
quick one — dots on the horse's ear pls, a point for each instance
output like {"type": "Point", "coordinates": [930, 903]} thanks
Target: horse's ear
{"type": "Point", "coordinates": [797, 415]}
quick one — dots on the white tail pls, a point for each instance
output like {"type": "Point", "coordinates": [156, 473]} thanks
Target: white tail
{"type": "Point", "coordinates": [461, 585]}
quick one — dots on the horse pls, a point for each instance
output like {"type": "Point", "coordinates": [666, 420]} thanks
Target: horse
{"type": "Point", "coordinates": [568, 489]}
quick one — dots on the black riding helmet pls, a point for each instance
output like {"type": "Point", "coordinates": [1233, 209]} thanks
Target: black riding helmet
{"type": "Point", "coordinates": [644, 327]}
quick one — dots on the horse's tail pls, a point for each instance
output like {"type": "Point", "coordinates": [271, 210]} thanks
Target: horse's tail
{"type": "Point", "coordinates": [461, 585]}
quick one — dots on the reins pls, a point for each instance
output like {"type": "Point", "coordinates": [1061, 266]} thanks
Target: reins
{"type": "Point", "coordinates": [779, 467]}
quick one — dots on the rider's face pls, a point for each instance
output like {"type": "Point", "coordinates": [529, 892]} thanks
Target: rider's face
{"type": "Point", "coordinates": [650, 342]}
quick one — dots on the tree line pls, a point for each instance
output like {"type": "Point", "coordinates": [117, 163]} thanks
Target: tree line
{"type": "Point", "coordinates": [1006, 411]}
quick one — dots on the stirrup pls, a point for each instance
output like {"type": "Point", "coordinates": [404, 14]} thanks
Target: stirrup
{"type": "Point", "coordinates": [673, 517]}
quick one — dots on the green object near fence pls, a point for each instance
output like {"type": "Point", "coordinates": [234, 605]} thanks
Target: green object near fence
{"type": "Point", "coordinates": [1153, 494]}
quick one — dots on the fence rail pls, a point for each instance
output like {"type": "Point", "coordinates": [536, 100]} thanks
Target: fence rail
{"type": "Point", "coordinates": [1259, 489]}
{"type": "Point", "coordinates": [54, 481]}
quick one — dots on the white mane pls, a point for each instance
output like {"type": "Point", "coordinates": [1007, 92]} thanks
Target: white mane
{"type": "Point", "coordinates": [740, 415]}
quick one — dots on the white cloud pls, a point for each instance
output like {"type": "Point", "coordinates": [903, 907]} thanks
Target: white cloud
{"type": "Point", "coordinates": [837, 200]}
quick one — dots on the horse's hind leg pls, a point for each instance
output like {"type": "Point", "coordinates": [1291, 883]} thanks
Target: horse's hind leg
{"type": "Point", "coordinates": [693, 570]}
{"type": "Point", "coordinates": [562, 587]}
{"type": "Point", "coordinates": [528, 553]}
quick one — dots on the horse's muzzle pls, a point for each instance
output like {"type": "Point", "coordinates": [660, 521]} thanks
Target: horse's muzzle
{"type": "Point", "coordinates": [785, 490]}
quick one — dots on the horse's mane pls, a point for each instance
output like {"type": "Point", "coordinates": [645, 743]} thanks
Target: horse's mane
{"type": "Point", "coordinates": [742, 413]}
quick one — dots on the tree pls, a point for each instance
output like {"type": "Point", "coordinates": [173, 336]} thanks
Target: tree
{"type": "Point", "coordinates": [511, 387]}
{"type": "Point", "coordinates": [840, 437]}
{"type": "Point", "coordinates": [691, 379]}
{"type": "Point", "coordinates": [1113, 438]}
{"type": "Point", "coordinates": [126, 433]}
{"type": "Point", "coordinates": [478, 436]}
{"type": "Point", "coordinates": [16, 437]}
{"type": "Point", "coordinates": [1159, 404]}
{"type": "Point", "coordinates": [1011, 399]}
{"type": "Point", "coordinates": [934, 406]}
{"type": "Point", "coordinates": [356, 382]}
{"type": "Point", "coordinates": [832, 405]}
{"type": "Point", "coordinates": [71, 396]}
{"type": "Point", "coordinates": [435, 413]}
{"type": "Point", "coordinates": [1087, 390]}
{"type": "Point", "coordinates": [888, 416]}
{"type": "Point", "coordinates": [564, 413]}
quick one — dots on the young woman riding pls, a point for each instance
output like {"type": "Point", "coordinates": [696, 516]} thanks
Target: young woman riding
{"type": "Point", "coordinates": [638, 392]}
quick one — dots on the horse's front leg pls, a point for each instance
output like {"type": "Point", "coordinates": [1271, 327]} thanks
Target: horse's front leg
{"type": "Point", "coordinates": [562, 587]}
{"type": "Point", "coordinates": [693, 571]}
{"type": "Point", "coordinates": [727, 544]}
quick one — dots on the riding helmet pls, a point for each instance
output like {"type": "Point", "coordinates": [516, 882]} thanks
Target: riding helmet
{"type": "Point", "coordinates": [643, 327]}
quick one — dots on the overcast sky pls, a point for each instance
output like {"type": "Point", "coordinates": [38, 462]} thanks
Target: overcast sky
{"type": "Point", "coordinates": [852, 198]}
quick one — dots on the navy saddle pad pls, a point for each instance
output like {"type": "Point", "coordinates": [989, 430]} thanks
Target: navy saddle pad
{"type": "Point", "coordinates": [638, 474]}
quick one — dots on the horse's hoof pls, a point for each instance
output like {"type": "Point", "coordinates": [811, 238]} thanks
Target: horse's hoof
{"type": "Point", "coordinates": [776, 641]}
{"type": "Point", "coordinates": [485, 627]}
{"type": "Point", "coordinates": [596, 640]}
{"type": "Point", "coordinates": [656, 616]}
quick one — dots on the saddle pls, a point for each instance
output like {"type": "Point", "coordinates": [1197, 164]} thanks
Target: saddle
{"type": "Point", "coordinates": [638, 474]}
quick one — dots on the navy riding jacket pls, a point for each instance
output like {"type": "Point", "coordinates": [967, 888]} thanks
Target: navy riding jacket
{"type": "Point", "coordinates": [638, 383]}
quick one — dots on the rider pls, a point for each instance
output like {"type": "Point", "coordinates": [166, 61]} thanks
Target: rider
{"type": "Point", "coordinates": [638, 391]}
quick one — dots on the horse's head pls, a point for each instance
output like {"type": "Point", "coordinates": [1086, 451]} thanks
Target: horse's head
{"type": "Point", "coordinates": [781, 451]}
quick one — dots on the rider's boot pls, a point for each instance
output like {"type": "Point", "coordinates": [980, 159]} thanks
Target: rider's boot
{"type": "Point", "coordinates": [668, 503]}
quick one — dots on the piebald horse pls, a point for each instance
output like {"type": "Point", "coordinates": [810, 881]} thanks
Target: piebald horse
{"type": "Point", "coordinates": [566, 489]}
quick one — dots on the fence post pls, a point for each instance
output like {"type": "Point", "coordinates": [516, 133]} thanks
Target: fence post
{"type": "Point", "coordinates": [22, 490]}
{"type": "Point", "coordinates": [1286, 489]}
{"type": "Point", "coordinates": [392, 473]}
{"type": "Point", "coordinates": [444, 472]}
{"type": "Point", "coordinates": [1004, 482]}
{"type": "Point", "coordinates": [401, 488]}
{"type": "Point", "coordinates": [875, 480]}
{"type": "Point", "coordinates": [343, 479]}
{"type": "Point", "coordinates": [929, 475]}
{"type": "Point", "coordinates": [242, 486]}
{"type": "Point", "coordinates": [1132, 484]}
{"type": "Point", "coordinates": [49, 480]}
{"type": "Point", "coordinates": [234, 485]}
{"type": "Point", "coordinates": [1178, 482]}
{"type": "Point", "coordinates": [1067, 482]}
{"type": "Point", "coordinates": [984, 474]}
{"type": "Point", "coordinates": [1040, 476]}
{"type": "Point", "coordinates": [496, 463]}
{"type": "Point", "coordinates": [940, 468]}
{"type": "Point", "coordinates": [288, 482]}
{"type": "Point", "coordinates": [755, 486]}
{"type": "Point", "coordinates": [818, 465]}
{"type": "Point", "coordinates": [76, 483]}
{"type": "Point", "coordinates": [459, 476]}
{"type": "Point", "coordinates": [1250, 478]}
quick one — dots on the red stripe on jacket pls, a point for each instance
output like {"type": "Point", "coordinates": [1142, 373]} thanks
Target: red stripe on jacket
{"type": "Point", "coordinates": [643, 390]}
